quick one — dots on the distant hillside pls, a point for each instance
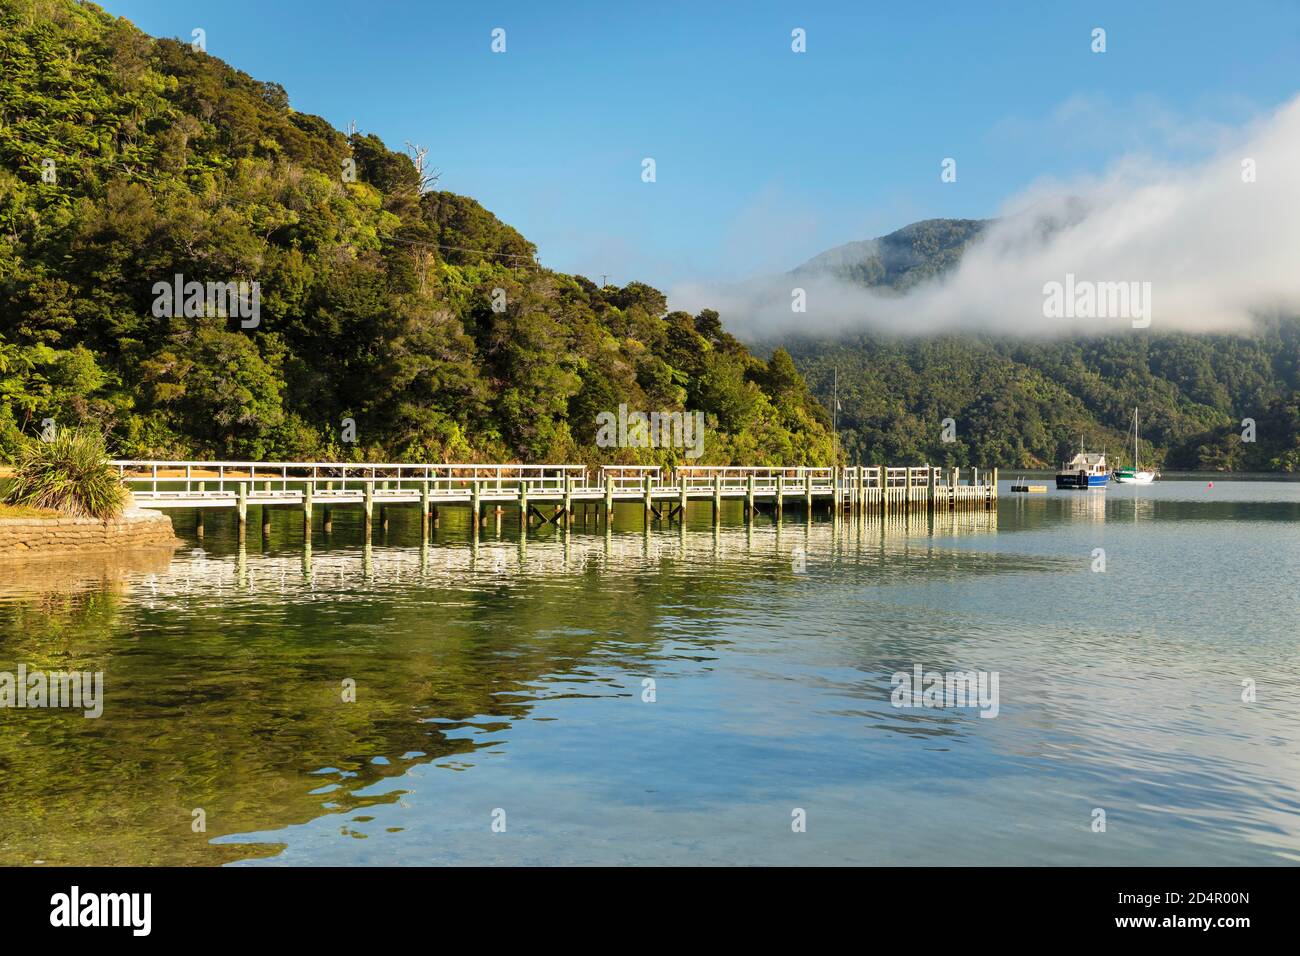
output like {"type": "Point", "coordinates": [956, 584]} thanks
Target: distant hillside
{"type": "Point", "coordinates": [902, 259]}
{"type": "Point", "coordinates": [415, 314]}
{"type": "Point", "coordinates": [1025, 403]}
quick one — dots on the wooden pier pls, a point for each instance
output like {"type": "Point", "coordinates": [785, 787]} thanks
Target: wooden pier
{"type": "Point", "coordinates": [548, 493]}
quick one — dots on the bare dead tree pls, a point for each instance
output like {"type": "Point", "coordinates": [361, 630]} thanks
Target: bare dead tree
{"type": "Point", "coordinates": [419, 157]}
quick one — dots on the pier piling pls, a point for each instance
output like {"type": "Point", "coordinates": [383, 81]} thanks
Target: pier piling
{"type": "Point", "coordinates": [424, 510]}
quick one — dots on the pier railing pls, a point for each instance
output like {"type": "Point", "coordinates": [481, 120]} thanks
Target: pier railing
{"type": "Point", "coordinates": [284, 472]}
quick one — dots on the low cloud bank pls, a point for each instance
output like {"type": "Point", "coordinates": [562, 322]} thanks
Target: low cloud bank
{"type": "Point", "coordinates": [1202, 247]}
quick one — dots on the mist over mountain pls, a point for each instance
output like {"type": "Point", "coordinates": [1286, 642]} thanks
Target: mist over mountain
{"type": "Point", "coordinates": [1172, 288]}
{"type": "Point", "coordinates": [1028, 401]}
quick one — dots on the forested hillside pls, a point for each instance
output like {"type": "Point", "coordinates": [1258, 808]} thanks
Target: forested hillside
{"type": "Point", "coordinates": [1019, 403]}
{"type": "Point", "coordinates": [1027, 402]}
{"type": "Point", "coordinates": [415, 313]}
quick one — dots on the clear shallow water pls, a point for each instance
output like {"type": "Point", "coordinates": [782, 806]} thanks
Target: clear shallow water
{"type": "Point", "coordinates": [511, 677]}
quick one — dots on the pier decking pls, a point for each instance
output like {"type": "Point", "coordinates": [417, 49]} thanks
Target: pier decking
{"type": "Point", "coordinates": [661, 493]}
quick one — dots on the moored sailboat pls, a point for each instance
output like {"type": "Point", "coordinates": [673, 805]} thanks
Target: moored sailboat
{"type": "Point", "coordinates": [1133, 475]}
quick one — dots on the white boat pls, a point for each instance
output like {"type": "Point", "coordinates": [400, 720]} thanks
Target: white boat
{"type": "Point", "coordinates": [1134, 475]}
{"type": "Point", "coordinates": [1131, 476]}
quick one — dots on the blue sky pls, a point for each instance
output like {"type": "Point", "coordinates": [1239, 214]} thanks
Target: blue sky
{"type": "Point", "coordinates": [764, 157]}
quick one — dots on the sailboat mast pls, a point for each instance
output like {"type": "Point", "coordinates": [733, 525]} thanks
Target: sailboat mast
{"type": "Point", "coordinates": [1135, 439]}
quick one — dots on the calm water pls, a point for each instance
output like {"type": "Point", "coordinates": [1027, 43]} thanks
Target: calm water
{"type": "Point", "coordinates": [509, 677]}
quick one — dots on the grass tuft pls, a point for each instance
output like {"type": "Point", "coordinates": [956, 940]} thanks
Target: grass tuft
{"type": "Point", "coordinates": [69, 474]}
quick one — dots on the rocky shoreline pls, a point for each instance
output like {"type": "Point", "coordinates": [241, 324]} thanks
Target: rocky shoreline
{"type": "Point", "coordinates": [40, 537]}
